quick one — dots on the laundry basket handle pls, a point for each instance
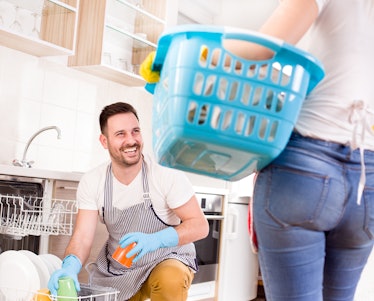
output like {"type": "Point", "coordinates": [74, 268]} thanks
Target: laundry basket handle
{"type": "Point", "coordinates": [230, 33]}
{"type": "Point", "coordinates": [282, 49]}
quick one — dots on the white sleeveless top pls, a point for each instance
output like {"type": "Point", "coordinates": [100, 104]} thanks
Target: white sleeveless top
{"type": "Point", "coordinates": [341, 108]}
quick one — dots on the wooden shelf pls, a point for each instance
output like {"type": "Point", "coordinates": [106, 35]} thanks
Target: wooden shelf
{"type": "Point", "coordinates": [113, 74]}
{"type": "Point", "coordinates": [115, 36]}
{"type": "Point", "coordinates": [57, 27]}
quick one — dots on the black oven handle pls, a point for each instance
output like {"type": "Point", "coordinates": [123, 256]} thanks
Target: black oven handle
{"type": "Point", "coordinates": [214, 217]}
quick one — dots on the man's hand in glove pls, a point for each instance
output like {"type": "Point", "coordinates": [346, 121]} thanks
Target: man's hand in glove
{"type": "Point", "coordinates": [71, 266]}
{"type": "Point", "coordinates": [146, 243]}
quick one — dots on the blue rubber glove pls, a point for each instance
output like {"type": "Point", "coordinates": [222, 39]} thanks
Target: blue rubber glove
{"type": "Point", "coordinates": [146, 243]}
{"type": "Point", "coordinates": [71, 266]}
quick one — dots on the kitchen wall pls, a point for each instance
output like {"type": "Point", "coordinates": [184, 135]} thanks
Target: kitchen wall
{"type": "Point", "coordinates": [38, 92]}
{"type": "Point", "coordinates": [249, 14]}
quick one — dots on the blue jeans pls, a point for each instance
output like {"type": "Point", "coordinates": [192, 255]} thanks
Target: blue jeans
{"type": "Point", "coordinates": [313, 237]}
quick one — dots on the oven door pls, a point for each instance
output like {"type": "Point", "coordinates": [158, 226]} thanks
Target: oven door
{"type": "Point", "coordinates": [207, 251]}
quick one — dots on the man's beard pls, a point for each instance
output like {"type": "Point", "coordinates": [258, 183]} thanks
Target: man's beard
{"type": "Point", "coordinates": [120, 156]}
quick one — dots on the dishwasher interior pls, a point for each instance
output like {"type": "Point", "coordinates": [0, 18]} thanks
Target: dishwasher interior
{"type": "Point", "coordinates": [27, 212]}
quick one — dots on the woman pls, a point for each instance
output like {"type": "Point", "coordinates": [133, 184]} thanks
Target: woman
{"type": "Point", "coordinates": [313, 206]}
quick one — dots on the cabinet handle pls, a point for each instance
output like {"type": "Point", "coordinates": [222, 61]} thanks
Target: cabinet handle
{"type": "Point", "coordinates": [233, 222]}
{"type": "Point", "coordinates": [67, 187]}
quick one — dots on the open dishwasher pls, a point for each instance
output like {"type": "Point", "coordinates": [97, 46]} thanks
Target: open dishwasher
{"type": "Point", "coordinates": [27, 214]}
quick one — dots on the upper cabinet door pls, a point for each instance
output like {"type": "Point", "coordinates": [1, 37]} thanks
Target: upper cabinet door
{"type": "Point", "coordinates": [39, 27]}
{"type": "Point", "coordinates": [115, 36]}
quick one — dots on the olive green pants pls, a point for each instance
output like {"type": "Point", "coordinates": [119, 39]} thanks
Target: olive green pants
{"type": "Point", "coordinates": [168, 281]}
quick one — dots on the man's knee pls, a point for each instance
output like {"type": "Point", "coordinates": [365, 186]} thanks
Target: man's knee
{"type": "Point", "coordinates": [171, 276]}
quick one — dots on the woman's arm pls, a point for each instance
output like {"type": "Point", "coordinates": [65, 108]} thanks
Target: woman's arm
{"type": "Point", "coordinates": [289, 22]}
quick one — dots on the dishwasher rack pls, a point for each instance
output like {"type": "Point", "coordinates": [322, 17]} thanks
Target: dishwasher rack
{"type": "Point", "coordinates": [30, 215]}
{"type": "Point", "coordinates": [87, 293]}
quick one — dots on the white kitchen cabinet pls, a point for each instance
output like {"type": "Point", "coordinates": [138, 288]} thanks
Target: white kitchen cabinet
{"type": "Point", "coordinates": [115, 36]}
{"type": "Point", "coordinates": [39, 27]}
{"type": "Point", "coordinates": [239, 268]}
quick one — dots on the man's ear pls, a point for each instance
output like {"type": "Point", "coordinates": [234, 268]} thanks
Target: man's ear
{"type": "Point", "coordinates": [103, 141]}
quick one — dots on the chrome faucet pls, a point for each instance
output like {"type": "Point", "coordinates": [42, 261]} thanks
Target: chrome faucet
{"type": "Point", "coordinates": [24, 162]}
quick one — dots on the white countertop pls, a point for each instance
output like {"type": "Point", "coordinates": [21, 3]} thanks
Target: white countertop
{"type": "Point", "coordinates": [39, 173]}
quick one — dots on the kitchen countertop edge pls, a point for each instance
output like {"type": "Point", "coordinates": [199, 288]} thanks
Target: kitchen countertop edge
{"type": "Point", "coordinates": [39, 173]}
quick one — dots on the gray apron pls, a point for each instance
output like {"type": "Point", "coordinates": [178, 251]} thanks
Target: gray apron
{"type": "Point", "coordinates": [138, 218]}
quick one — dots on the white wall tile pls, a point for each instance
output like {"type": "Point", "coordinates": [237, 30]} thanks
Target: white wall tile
{"type": "Point", "coordinates": [29, 117]}
{"type": "Point", "coordinates": [86, 130]}
{"type": "Point", "coordinates": [86, 98]}
{"type": "Point", "coordinates": [60, 90]}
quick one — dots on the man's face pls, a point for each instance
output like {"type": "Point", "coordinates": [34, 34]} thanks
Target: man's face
{"type": "Point", "coordinates": [123, 139]}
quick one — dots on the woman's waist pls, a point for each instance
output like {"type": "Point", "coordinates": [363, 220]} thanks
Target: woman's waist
{"type": "Point", "coordinates": [337, 151]}
{"type": "Point", "coordinates": [351, 124]}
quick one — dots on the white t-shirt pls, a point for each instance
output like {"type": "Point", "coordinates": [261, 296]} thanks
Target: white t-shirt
{"type": "Point", "coordinates": [169, 189]}
{"type": "Point", "coordinates": [342, 38]}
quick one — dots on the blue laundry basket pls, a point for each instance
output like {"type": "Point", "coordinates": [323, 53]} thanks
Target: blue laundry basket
{"type": "Point", "coordinates": [229, 119]}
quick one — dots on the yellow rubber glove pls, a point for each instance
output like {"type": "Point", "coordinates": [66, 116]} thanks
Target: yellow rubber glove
{"type": "Point", "coordinates": [146, 71]}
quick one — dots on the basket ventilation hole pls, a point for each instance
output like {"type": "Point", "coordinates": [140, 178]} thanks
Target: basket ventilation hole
{"type": "Point", "coordinates": [192, 108]}
{"type": "Point", "coordinates": [203, 114]}
{"type": "Point", "coordinates": [273, 131]}
{"type": "Point", "coordinates": [216, 55]}
{"type": "Point", "coordinates": [263, 126]}
{"type": "Point", "coordinates": [280, 101]}
{"type": "Point", "coordinates": [227, 120]}
{"type": "Point", "coordinates": [240, 120]}
{"type": "Point", "coordinates": [209, 85]}
{"type": "Point", "coordinates": [222, 88]}
{"type": "Point", "coordinates": [204, 54]}
{"type": "Point", "coordinates": [216, 115]}
{"type": "Point", "coordinates": [275, 73]}
{"type": "Point", "coordinates": [195, 114]}
{"type": "Point", "coordinates": [233, 91]}
{"type": "Point", "coordinates": [238, 67]}
{"type": "Point", "coordinates": [246, 94]}
{"type": "Point", "coordinates": [250, 126]}
{"type": "Point", "coordinates": [227, 62]}
{"type": "Point", "coordinates": [286, 75]}
{"type": "Point", "coordinates": [264, 69]}
{"type": "Point", "coordinates": [198, 83]}
{"type": "Point", "coordinates": [252, 70]}
{"type": "Point", "coordinates": [269, 99]}
{"type": "Point", "coordinates": [257, 95]}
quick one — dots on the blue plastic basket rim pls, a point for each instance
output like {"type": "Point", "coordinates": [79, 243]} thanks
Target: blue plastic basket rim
{"type": "Point", "coordinates": [305, 59]}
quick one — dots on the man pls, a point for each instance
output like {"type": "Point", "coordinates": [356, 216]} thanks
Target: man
{"type": "Point", "coordinates": [139, 201]}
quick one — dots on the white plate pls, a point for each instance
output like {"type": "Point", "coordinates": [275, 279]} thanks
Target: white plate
{"type": "Point", "coordinates": [48, 264]}
{"type": "Point", "coordinates": [19, 278]}
{"type": "Point", "coordinates": [53, 261]}
{"type": "Point", "coordinates": [40, 266]}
